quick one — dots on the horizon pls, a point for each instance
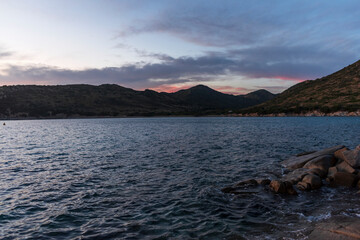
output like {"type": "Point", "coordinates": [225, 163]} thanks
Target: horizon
{"type": "Point", "coordinates": [234, 47]}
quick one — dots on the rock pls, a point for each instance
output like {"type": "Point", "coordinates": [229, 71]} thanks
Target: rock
{"type": "Point", "coordinates": [277, 186]}
{"type": "Point", "coordinates": [317, 171]}
{"type": "Point", "coordinates": [296, 175]}
{"type": "Point", "coordinates": [303, 186]}
{"type": "Point", "coordinates": [290, 189]}
{"type": "Point", "coordinates": [314, 181]}
{"type": "Point", "coordinates": [345, 167]}
{"type": "Point", "coordinates": [339, 153]}
{"type": "Point", "coordinates": [340, 228]}
{"type": "Point", "coordinates": [263, 181]}
{"type": "Point", "coordinates": [358, 184]}
{"type": "Point", "coordinates": [322, 162]}
{"type": "Point", "coordinates": [249, 182]}
{"type": "Point", "coordinates": [352, 157]}
{"type": "Point", "coordinates": [304, 153]}
{"type": "Point", "coordinates": [228, 189]}
{"type": "Point", "coordinates": [344, 179]}
{"type": "Point", "coordinates": [331, 173]}
{"type": "Point", "coordinates": [300, 161]}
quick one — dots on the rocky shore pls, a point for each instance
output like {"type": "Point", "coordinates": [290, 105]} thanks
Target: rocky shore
{"type": "Point", "coordinates": [336, 166]}
{"type": "Point", "coordinates": [305, 114]}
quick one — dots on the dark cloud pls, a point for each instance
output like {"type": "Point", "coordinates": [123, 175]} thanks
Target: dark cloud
{"type": "Point", "coordinates": [238, 23]}
{"type": "Point", "coordinates": [282, 62]}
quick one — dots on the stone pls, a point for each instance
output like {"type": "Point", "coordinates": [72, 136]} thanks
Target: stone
{"type": "Point", "coordinates": [323, 162]}
{"type": "Point", "coordinates": [345, 167]}
{"type": "Point", "coordinates": [263, 181]}
{"type": "Point", "coordinates": [331, 173]}
{"type": "Point", "coordinates": [296, 175]}
{"type": "Point", "coordinates": [338, 228]}
{"type": "Point", "coordinates": [304, 153]}
{"type": "Point", "coordinates": [249, 182]}
{"type": "Point", "coordinates": [317, 171]}
{"type": "Point", "coordinates": [339, 154]}
{"type": "Point", "coordinates": [228, 189]}
{"type": "Point", "coordinates": [299, 161]}
{"type": "Point", "coordinates": [303, 186]}
{"type": "Point", "coordinates": [352, 157]}
{"type": "Point", "coordinates": [314, 181]}
{"type": "Point", "coordinates": [277, 186]}
{"type": "Point", "coordinates": [290, 189]}
{"type": "Point", "coordinates": [358, 184]}
{"type": "Point", "coordinates": [344, 179]}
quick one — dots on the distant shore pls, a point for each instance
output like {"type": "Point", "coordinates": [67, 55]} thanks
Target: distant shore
{"type": "Point", "coordinates": [308, 114]}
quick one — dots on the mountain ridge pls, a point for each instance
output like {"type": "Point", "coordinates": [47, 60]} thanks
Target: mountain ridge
{"type": "Point", "coordinates": [112, 100]}
{"type": "Point", "coordinates": [336, 92]}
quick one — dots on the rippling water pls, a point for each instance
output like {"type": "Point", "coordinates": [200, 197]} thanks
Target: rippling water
{"type": "Point", "coordinates": [160, 178]}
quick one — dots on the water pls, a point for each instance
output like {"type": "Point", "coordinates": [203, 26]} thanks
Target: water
{"type": "Point", "coordinates": [160, 178]}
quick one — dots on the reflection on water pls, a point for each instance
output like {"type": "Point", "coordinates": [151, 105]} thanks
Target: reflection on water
{"type": "Point", "coordinates": [160, 177]}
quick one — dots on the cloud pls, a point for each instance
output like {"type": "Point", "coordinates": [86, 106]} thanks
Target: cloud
{"type": "Point", "coordinates": [4, 53]}
{"type": "Point", "coordinates": [286, 63]}
{"type": "Point", "coordinates": [249, 23]}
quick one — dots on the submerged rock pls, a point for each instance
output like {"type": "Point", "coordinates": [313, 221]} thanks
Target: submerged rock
{"type": "Point", "coordinates": [303, 186]}
{"type": "Point", "coordinates": [344, 228]}
{"type": "Point", "coordinates": [300, 161]}
{"type": "Point", "coordinates": [278, 186]}
{"type": "Point", "coordinates": [263, 181]}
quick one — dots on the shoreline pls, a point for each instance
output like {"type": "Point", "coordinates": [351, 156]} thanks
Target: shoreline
{"type": "Point", "coordinates": [240, 115]}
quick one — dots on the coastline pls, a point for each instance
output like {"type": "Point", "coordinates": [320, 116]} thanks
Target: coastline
{"type": "Point", "coordinates": [308, 114]}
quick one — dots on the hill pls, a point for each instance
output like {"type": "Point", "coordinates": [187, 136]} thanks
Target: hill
{"type": "Point", "coordinates": [33, 101]}
{"type": "Point", "coordinates": [339, 91]}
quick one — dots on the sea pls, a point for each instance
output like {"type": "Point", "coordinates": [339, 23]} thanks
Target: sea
{"type": "Point", "coordinates": [161, 178]}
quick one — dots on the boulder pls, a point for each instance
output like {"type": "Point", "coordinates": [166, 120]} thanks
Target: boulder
{"type": "Point", "coordinates": [277, 186]}
{"type": "Point", "coordinates": [290, 189]}
{"type": "Point", "coordinates": [317, 171]}
{"type": "Point", "coordinates": [323, 162]}
{"type": "Point", "coordinates": [314, 181]}
{"type": "Point", "coordinates": [339, 154]}
{"type": "Point", "coordinates": [304, 153]}
{"type": "Point", "coordinates": [296, 175]}
{"type": "Point", "coordinates": [345, 167]}
{"type": "Point", "coordinates": [352, 157]}
{"type": "Point", "coordinates": [299, 161]}
{"type": "Point", "coordinates": [344, 179]}
{"type": "Point", "coordinates": [248, 183]}
{"type": "Point", "coordinates": [339, 228]}
{"type": "Point", "coordinates": [331, 174]}
{"type": "Point", "coordinates": [303, 186]}
{"type": "Point", "coordinates": [263, 181]}
{"type": "Point", "coordinates": [358, 184]}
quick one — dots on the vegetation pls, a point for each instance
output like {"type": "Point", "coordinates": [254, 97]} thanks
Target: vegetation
{"type": "Point", "coordinates": [31, 101]}
{"type": "Point", "coordinates": [339, 91]}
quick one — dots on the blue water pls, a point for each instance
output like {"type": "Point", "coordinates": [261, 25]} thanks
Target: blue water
{"type": "Point", "coordinates": [160, 178]}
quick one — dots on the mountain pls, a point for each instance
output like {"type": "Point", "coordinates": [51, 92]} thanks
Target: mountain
{"type": "Point", "coordinates": [339, 91]}
{"type": "Point", "coordinates": [23, 101]}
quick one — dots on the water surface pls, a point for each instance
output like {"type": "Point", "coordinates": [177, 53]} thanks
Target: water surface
{"type": "Point", "coordinates": [160, 178]}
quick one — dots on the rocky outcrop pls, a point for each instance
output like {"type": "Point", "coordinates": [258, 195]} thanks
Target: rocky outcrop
{"type": "Point", "coordinates": [338, 165]}
{"type": "Point", "coordinates": [340, 228]}
{"type": "Point", "coordinates": [299, 161]}
{"type": "Point", "coordinates": [352, 157]}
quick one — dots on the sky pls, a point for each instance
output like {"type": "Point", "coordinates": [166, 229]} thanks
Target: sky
{"type": "Point", "coordinates": [234, 46]}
